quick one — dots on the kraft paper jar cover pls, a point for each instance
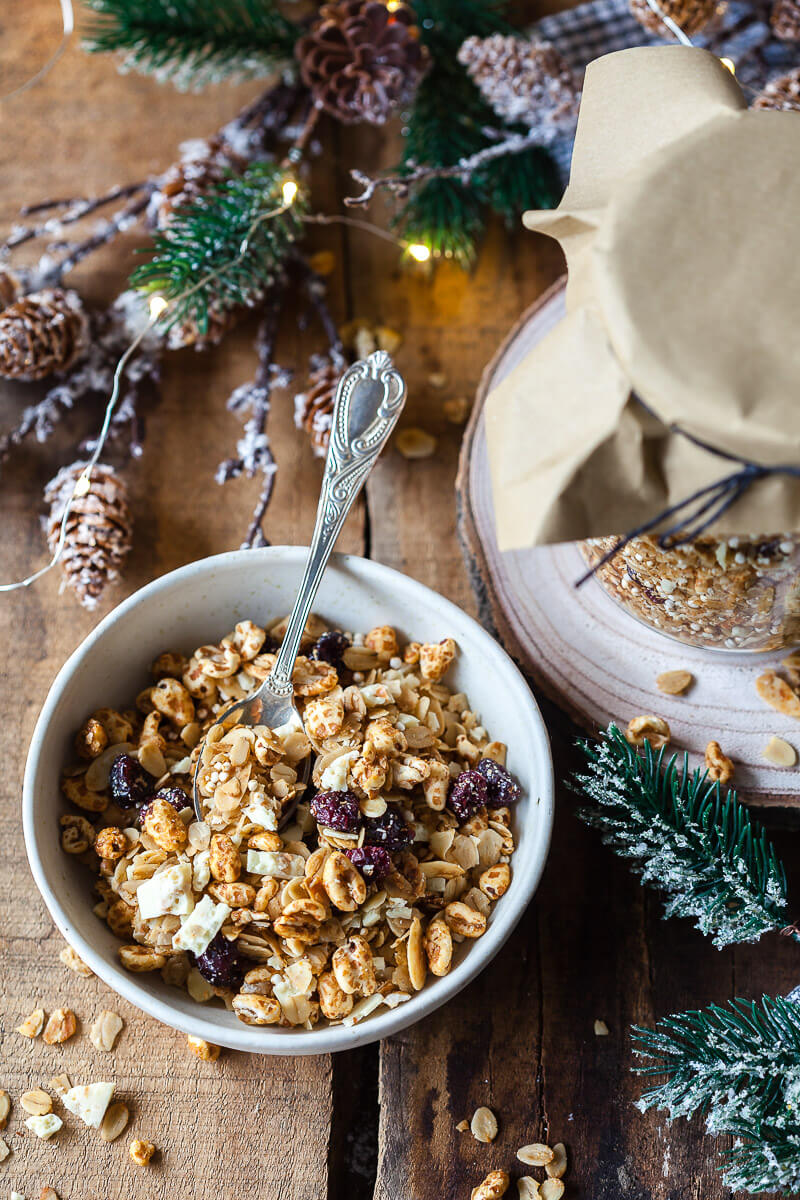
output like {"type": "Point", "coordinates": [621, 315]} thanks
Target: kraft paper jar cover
{"type": "Point", "coordinates": [682, 241]}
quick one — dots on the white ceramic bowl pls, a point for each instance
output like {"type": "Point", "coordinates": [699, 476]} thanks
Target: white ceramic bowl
{"type": "Point", "coordinates": [199, 604]}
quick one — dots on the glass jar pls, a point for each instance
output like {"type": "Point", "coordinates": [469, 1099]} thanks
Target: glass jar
{"type": "Point", "coordinates": [736, 593]}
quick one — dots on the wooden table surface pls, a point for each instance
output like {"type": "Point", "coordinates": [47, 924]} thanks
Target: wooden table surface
{"type": "Point", "coordinates": [381, 1121]}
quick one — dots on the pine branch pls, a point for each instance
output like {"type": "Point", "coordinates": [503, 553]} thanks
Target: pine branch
{"type": "Point", "coordinates": [194, 42]}
{"type": "Point", "coordinates": [740, 1067]}
{"type": "Point", "coordinates": [683, 838]}
{"type": "Point", "coordinates": [225, 249]}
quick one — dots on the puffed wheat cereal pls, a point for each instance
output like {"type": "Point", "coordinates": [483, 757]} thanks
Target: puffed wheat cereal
{"type": "Point", "coordinates": [141, 1151]}
{"type": "Point", "coordinates": [37, 1102]}
{"type": "Point", "coordinates": [206, 1051]}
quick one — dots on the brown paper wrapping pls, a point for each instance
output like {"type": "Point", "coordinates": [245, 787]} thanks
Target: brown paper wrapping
{"type": "Point", "coordinates": [682, 241]}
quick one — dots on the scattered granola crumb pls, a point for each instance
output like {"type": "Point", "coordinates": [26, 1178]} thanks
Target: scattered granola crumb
{"type": "Point", "coordinates": [32, 1026]}
{"type": "Point", "coordinates": [462, 1126]}
{"type": "Point", "coordinates": [557, 1166]}
{"type": "Point", "coordinates": [493, 1187]}
{"type": "Point", "coordinates": [141, 1152]}
{"type": "Point", "coordinates": [5, 1150]}
{"type": "Point", "coordinates": [37, 1103]}
{"type": "Point", "coordinates": [456, 409]}
{"type": "Point", "coordinates": [600, 1029]}
{"type": "Point", "coordinates": [535, 1155]}
{"type": "Point", "coordinates": [484, 1125]}
{"type": "Point", "coordinates": [551, 1189]}
{"type": "Point", "coordinates": [437, 379]}
{"type": "Point", "coordinates": [60, 1084]}
{"type": "Point", "coordinates": [48, 1193]}
{"type": "Point", "coordinates": [413, 442]}
{"type": "Point", "coordinates": [780, 752]}
{"type": "Point", "coordinates": [70, 959]}
{"type": "Point", "coordinates": [719, 767]}
{"type": "Point", "coordinates": [45, 1126]}
{"type": "Point", "coordinates": [114, 1122]}
{"type": "Point", "coordinates": [105, 1030]}
{"type": "Point", "coordinates": [60, 1027]}
{"type": "Point", "coordinates": [528, 1188]}
{"type": "Point", "coordinates": [205, 1050]}
{"type": "Point", "coordinates": [654, 730]}
{"type": "Point", "coordinates": [5, 1108]}
{"type": "Point", "coordinates": [674, 683]}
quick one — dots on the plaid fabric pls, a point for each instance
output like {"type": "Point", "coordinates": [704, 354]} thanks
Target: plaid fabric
{"type": "Point", "coordinates": [603, 26]}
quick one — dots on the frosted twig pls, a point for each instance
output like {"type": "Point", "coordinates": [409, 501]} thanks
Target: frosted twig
{"type": "Point", "coordinates": [121, 220]}
{"type": "Point", "coordinates": [76, 209]}
{"type": "Point", "coordinates": [464, 169]}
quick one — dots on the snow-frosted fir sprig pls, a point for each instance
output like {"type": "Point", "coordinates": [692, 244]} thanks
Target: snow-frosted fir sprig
{"type": "Point", "coordinates": [739, 1066]}
{"type": "Point", "coordinates": [685, 838]}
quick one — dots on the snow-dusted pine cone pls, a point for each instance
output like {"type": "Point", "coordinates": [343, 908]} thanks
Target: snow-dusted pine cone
{"type": "Point", "coordinates": [785, 20]}
{"type": "Point", "coordinates": [782, 93]}
{"type": "Point", "coordinates": [313, 408]}
{"type": "Point", "coordinates": [360, 60]}
{"type": "Point", "coordinates": [203, 163]}
{"type": "Point", "coordinates": [9, 287]}
{"type": "Point", "coordinates": [41, 333]}
{"type": "Point", "coordinates": [689, 15]}
{"type": "Point", "coordinates": [98, 532]}
{"type": "Point", "coordinates": [525, 82]}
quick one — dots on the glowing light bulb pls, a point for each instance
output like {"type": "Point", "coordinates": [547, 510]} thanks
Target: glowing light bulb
{"type": "Point", "coordinates": [393, 5]}
{"type": "Point", "coordinates": [157, 306]}
{"type": "Point", "coordinates": [419, 252]}
{"type": "Point", "coordinates": [729, 64]}
{"type": "Point", "coordinates": [289, 192]}
{"type": "Point", "coordinates": [82, 486]}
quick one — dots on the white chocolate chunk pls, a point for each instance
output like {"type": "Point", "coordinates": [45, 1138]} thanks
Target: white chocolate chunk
{"type": "Point", "coordinates": [89, 1102]}
{"type": "Point", "coordinates": [200, 926]}
{"type": "Point", "coordinates": [168, 891]}
{"type": "Point", "coordinates": [44, 1127]}
{"type": "Point", "coordinates": [334, 777]}
{"type": "Point", "coordinates": [276, 864]}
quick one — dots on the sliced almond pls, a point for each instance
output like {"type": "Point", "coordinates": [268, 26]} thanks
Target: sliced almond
{"type": "Point", "coordinates": [600, 1029]}
{"type": "Point", "coordinates": [5, 1108]}
{"type": "Point", "coordinates": [557, 1167]}
{"type": "Point", "coordinates": [33, 1024]}
{"type": "Point", "coordinates": [528, 1188]}
{"type": "Point", "coordinates": [415, 443]}
{"type": "Point", "coordinates": [483, 1125]}
{"type": "Point", "coordinates": [114, 1122]}
{"type": "Point", "coordinates": [551, 1189]}
{"type": "Point", "coordinates": [674, 683]}
{"type": "Point", "coordinates": [779, 752]}
{"type": "Point", "coordinates": [462, 1126]}
{"type": "Point", "coordinates": [4, 1150]}
{"type": "Point", "coordinates": [70, 959]}
{"type": "Point", "coordinates": [37, 1102]}
{"type": "Point", "coordinates": [535, 1155]}
{"type": "Point", "coordinates": [105, 1030]}
{"type": "Point", "coordinates": [778, 694]}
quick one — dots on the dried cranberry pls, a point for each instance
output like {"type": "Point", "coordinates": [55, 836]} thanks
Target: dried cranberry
{"type": "Point", "coordinates": [330, 647]}
{"type": "Point", "coordinates": [130, 783]}
{"type": "Point", "coordinates": [220, 963]}
{"type": "Point", "coordinates": [336, 810]}
{"type": "Point", "coordinates": [372, 861]}
{"type": "Point", "coordinates": [503, 787]}
{"type": "Point", "coordinates": [173, 795]}
{"type": "Point", "coordinates": [389, 831]}
{"type": "Point", "coordinates": [468, 793]}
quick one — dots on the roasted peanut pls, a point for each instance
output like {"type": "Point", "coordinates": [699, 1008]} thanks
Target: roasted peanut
{"type": "Point", "coordinates": [343, 883]}
{"type": "Point", "coordinates": [463, 920]}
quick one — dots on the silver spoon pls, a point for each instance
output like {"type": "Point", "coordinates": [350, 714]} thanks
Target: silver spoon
{"type": "Point", "coordinates": [369, 399]}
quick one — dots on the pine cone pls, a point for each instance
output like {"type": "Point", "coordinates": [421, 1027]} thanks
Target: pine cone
{"type": "Point", "coordinates": [313, 408]}
{"type": "Point", "coordinates": [689, 15]}
{"type": "Point", "coordinates": [782, 94]}
{"type": "Point", "coordinates": [526, 82]}
{"type": "Point", "coordinates": [42, 333]}
{"type": "Point", "coordinates": [188, 332]}
{"type": "Point", "coordinates": [785, 20]}
{"type": "Point", "coordinates": [9, 287]}
{"type": "Point", "coordinates": [360, 60]}
{"type": "Point", "coordinates": [98, 533]}
{"type": "Point", "coordinates": [201, 165]}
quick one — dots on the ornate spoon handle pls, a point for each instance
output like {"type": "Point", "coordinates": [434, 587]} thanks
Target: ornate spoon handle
{"type": "Point", "coordinates": [369, 399]}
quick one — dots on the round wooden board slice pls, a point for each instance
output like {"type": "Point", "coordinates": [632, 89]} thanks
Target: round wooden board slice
{"type": "Point", "coordinates": [587, 654]}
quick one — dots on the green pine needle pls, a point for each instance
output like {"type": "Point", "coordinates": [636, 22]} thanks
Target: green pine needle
{"type": "Point", "coordinates": [206, 237]}
{"type": "Point", "coordinates": [740, 1067]}
{"type": "Point", "coordinates": [704, 851]}
{"type": "Point", "coordinates": [193, 42]}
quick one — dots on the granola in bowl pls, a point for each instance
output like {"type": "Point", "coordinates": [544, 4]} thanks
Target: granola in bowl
{"type": "Point", "coordinates": [394, 855]}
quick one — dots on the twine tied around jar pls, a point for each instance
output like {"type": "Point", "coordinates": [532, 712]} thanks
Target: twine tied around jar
{"type": "Point", "coordinates": [693, 515]}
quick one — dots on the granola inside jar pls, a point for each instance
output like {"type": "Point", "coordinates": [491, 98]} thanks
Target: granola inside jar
{"type": "Point", "coordinates": [734, 593]}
